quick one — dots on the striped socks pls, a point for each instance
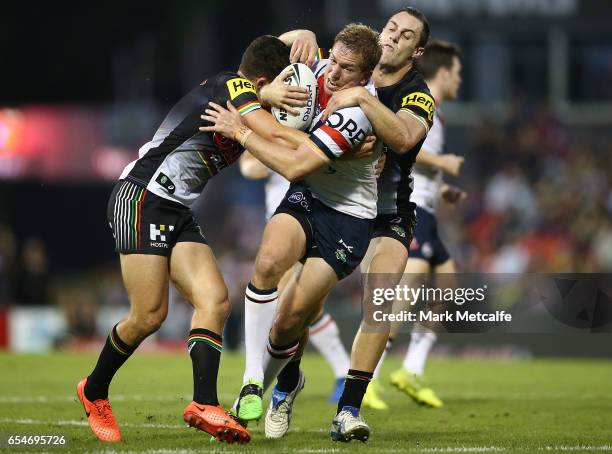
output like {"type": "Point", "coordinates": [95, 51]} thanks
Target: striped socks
{"type": "Point", "coordinates": [114, 353]}
{"type": "Point", "coordinates": [355, 386]}
{"type": "Point", "coordinates": [276, 358]}
{"type": "Point", "coordinates": [259, 309]}
{"type": "Point", "coordinates": [204, 348]}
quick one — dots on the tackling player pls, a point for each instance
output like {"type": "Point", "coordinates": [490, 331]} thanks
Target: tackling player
{"type": "Point", "coordinates": [327, 220]}
{"type": "Point", "coordinates": [159, 240]}
{"type": "Point", "coordinates": [440, 65]}
{"type": "Point", "coordinates": [401, 116]}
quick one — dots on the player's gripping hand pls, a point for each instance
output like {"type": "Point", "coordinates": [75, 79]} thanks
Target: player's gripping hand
{"type": "Point", "coordinates": [348, 97]}
{"type": "Point", "coordinates": [278, 94]}
{"type": "Point", "coordinates": [304, 48]}
{"type": "Point", "coordinates": [451, 163]}
{"type": "Point", "coordinates": [365, 148]}
{"type": "Point", "coordinates": [225, 122]}
{"type": "Point", "coordinates": [452, 194]}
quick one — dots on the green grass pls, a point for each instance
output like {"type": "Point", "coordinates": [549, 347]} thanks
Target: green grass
{"type": "Point", "coordinates": [538, 405]}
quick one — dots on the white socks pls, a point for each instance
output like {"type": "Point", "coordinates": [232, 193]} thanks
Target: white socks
{"type": "Point", "coordinates": [421, 341]}
{"type": "Point", "coordinates": [259, 311]}
{"type": "Point", "coordinates": [382, 358]}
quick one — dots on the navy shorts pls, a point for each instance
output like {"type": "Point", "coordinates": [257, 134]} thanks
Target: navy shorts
{"type": "Point", "coordinates": [340, 239]}
{"type": "Point", "coordinates": [400, 228]}
{"type": "Point", "coordinates": [426, 244]}
{"type": "Point", "coordinates": [144, 223]}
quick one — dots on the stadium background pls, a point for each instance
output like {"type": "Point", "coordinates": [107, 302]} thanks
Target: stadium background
{"type": "Point", "coordinates": [83, 87]}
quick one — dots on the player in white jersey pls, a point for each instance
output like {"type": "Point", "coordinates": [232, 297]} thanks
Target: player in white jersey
{"type": "Point", "coordinates": [323, 333]}
{"type": "Point", "coordinates": [327, 224]}
{"type": "Point", "coordinates": [441, 67]}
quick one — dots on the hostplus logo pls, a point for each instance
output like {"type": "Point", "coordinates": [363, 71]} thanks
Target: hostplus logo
{"type": "Point", "coordinates": [158, 235]}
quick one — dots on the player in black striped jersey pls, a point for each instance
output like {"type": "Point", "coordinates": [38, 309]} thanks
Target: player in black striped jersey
{"type": "Point", "coordinates": [159, 240]}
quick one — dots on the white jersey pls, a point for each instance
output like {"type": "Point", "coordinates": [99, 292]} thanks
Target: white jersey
{"type": "Point", "coordinates": [276, 188]}
{"type": "Point", "coordinates": [427, 181]}
{"type": "Point", "coordinates": [347, 186]}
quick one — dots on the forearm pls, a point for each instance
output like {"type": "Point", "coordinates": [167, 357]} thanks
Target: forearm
{"type": "Point", "coordinates": [288, 136]}
{"type": "Point", "coordinates": [430, 159]}
{"type": "Point", "coordinates": [289, 37]}
{"type": "Point", "coordinates": [281, 159]}
{"type": "Point", "coordinates": [387, 125]}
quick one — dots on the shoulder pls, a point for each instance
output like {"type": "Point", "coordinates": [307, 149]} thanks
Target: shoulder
{"type": "Point", "coordinates": [234, 85]}
{"type": "Point", "coordinates": [349, 114]}
{"type": "Point", "coordinates": [415, 96]}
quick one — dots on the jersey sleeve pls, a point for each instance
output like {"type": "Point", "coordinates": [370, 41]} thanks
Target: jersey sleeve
{"type": "Point", "coordinates": [241, 93]}
{"type": "Point", "coordinates": [319, 66]}
{"type": "Point", "coordinates": [343, 130]}
{"type": "Point", "coordinates": [421, 105]}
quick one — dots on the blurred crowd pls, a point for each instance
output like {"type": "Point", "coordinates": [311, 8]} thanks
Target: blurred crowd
{"type": "Point", "coordinates": [539, 198]}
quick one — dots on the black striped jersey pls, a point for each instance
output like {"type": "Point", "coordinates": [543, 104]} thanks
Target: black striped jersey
{"type": "Point", "coordinates": [411, 95]}
{"type": "Point", "coordinates": [180, 159]}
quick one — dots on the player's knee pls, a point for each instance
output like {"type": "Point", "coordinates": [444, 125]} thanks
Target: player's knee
{"type": "Point", "coordinates": [268, 268]}
{"type": "Point", "coordinates": [149, 322]}
{"type": "Point", "coordinates": [222, 309]}
{"type": "Point", "coordinates": [288, 325]}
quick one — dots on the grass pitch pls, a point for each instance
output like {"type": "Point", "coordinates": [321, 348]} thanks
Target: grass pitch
{"type": "Point", "coordinates": [531, 406]}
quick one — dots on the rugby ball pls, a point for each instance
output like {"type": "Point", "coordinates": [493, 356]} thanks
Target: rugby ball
{"type": "Point", "coordinates": [302, 77]}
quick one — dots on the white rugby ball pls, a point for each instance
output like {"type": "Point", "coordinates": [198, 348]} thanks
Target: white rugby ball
{"type": "Point", "coordinates": [302, 77]}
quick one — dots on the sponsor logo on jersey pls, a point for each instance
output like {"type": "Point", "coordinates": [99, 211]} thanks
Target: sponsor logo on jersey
{"type": "Point", "coordinates": [421, 100]}
{"type": "Point", "coordinates": [165, 182]}
{"type": "Point", "coordinates": [296, 197]}
{"type": "Point", "coordinates": [399, 230]}
{"type": "Point", "coordinates": [340, 124]}
{"type": "Point", "coordinates": [238, 86]}
{"type": "Point", "coordinates": [157, 233]}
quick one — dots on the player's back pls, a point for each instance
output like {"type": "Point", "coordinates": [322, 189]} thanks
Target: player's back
{"type": "Point", "coordinates": [178, 162]}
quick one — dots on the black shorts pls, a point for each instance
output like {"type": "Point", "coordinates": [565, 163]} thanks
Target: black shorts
{"type": "Point", "coordinates": [426, 244]}
{"type": "Point", "coordinates": [400, 228]}
{"type": "Point", "coordinates": [340, 239]}
{"type": "Point", "coordinates": [144, 223]}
